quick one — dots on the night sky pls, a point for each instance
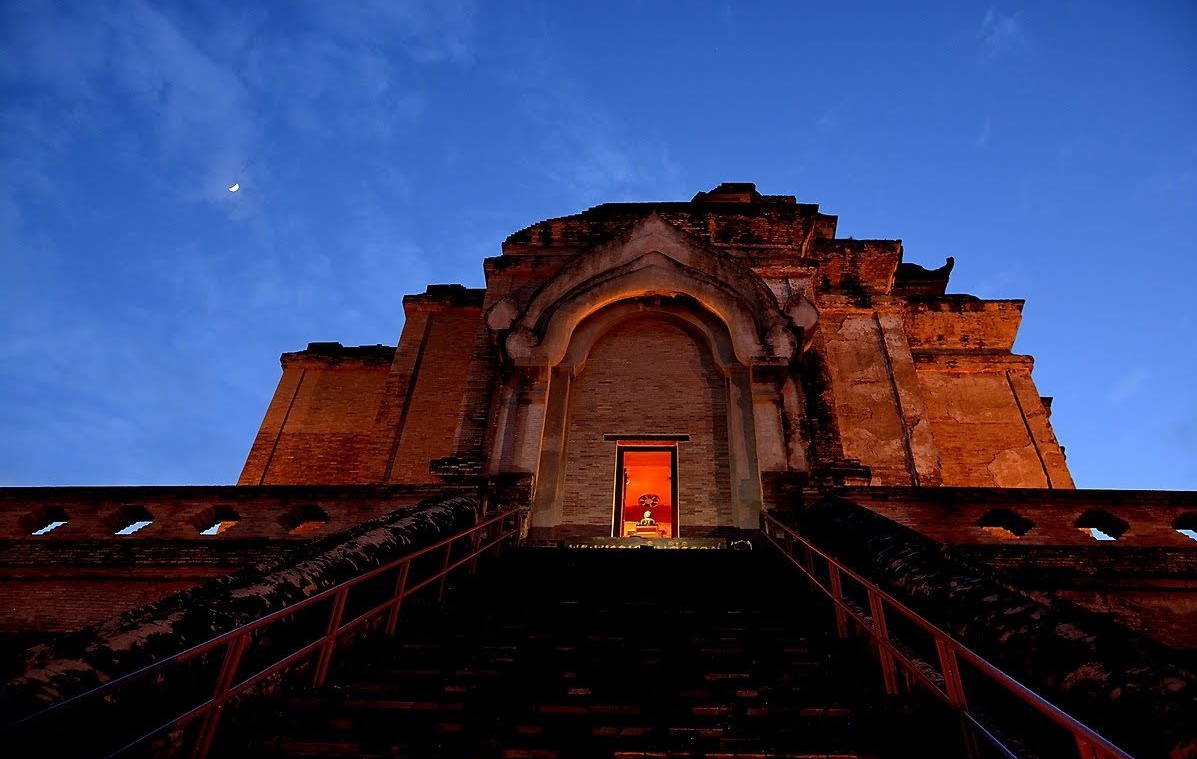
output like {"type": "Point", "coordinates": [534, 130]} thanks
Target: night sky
{"type": "Point", "coordinates": [380, 146]}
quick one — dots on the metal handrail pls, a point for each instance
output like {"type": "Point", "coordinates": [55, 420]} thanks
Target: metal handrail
{"type": "Point", "coordinates": [1089, 744]}
{"type": "Point", "coordinates": [238, 639]}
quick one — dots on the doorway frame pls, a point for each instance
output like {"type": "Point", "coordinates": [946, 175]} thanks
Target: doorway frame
{"type": "Point", "coordinates": [650, 446]}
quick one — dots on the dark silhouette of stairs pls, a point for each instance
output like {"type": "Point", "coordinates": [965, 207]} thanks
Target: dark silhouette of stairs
{"type": "Point", "coordinates": [606, 653]}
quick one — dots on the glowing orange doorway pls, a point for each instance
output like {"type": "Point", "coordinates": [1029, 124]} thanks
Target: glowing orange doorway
{"type": "Point", "coordinates": [645, 492]}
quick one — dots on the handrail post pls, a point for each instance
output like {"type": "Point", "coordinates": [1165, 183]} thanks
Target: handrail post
{"type": "Point", "coordinates": [440, 586]}
{"type": "Point", "coordinates": [224, 681]}
{"type": "Point", "coordinates": [1085, 749]}
{"type": "Point", "coordinates": [330, 637]}
{"type": "Point", "coordinates": [889, 670]}
{"type": "Point", "coordinates": [837, 591]}
{"type": "Point", "coordinates": [475, 541]}
{"type": "Point", "coordinates": [499, 529]}
{"type": "Point", "coordinates": [951, 674]}
{"type": "Point", "coordinates": [808, 563]}
{"type": "Point", "coordinates": [518, 535]}
{"type": "Point", "coordinates": [400, 590]}
{"type": "Point", "coordinates": [954, 688]}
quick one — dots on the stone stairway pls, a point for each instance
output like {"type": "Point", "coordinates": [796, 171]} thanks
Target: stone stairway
{"type": "Point", "coordinates": [551, 653]}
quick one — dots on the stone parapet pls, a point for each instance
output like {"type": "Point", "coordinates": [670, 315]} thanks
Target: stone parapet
{"type": "Point", "coordinates": [181, 513]}
{"type": "Point", "coordinates": [137, 638]}
{"type": "Point", "coordinates": [82, 571]}
{"type": "Point", "coordinates": [958, 516]}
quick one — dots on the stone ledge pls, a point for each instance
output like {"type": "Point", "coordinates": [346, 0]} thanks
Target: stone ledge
{"type": "Point", "coordinates": [175, 509]}
{"type": "Point", "coordinates": [436, 297]}
{"type": "Point", "coordinates": [334, 354]}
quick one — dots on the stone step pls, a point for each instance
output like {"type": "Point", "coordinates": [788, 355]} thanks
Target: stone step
{"type": "Point", "coordinates": [585, 665]}
{"type": "Point", "coordinates": [447, 746]}
{"type": "Point", "coordinates": [487, 685]}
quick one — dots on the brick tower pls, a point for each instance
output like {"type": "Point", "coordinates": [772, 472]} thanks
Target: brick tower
{"type": "Point", "coordinates": [736, 330]}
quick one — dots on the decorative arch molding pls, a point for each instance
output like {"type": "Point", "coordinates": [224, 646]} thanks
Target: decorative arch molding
{"type": "Point", "coordinates": [689, 316]}
{"type": "Point", "coordinates": [653, 258]}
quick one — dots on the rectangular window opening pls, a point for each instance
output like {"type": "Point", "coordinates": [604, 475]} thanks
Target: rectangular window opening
{"type": "Point", "coordinates": [645, 490]}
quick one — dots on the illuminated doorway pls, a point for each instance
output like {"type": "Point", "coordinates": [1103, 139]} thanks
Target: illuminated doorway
{"type": "Point", "coordinates": [645, 491]}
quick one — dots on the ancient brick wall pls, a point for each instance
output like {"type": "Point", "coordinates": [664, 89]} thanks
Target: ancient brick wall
{"type": "Point", "coordinates": [322, 424]}
{"type": "Point", "coordinates": [63, 604]}
{"type": "Point", "coordinates": [871, 427]}
{"type": "Point", "coordinates": [956, 515]}
{"type": "Point", "coordinates": [82, 571]}
{"type": "Point", "coordinates": [438, 403]}
{"type": "Point", "coordinates": [122, 644]}
{"type": "Point", "coordinates": [927, 392]}
{"type": "Point", "coordinates": [647, 376]}
{"type": "Point", "coordinates": [328, 436]}
{"type": "Point", "coordinates": [376, 414]}
{"type": "Point", "coordinates": [262, 450]}
{"type": "Point", "coordinates": [988, 433]}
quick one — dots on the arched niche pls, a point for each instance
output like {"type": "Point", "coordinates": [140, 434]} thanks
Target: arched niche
{"type": "Point", "coordinates": [683, 311]}
{"type": "Point", "coordinates": [734, 437]}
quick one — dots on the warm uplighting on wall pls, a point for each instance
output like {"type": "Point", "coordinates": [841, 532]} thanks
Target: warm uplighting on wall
{"type": "Point", "coordinates": [1005, 524]}
{"type": "Point", "coordinates": [215, 520]}
{"type": "Point", "coordinates": [304, 519]}
{"type": "Point", "coordinates": [129, 519]}
{"type": "Point", "coordinates": [1000, 532]}
{"type": "Point", "coordinates": [217, 528]}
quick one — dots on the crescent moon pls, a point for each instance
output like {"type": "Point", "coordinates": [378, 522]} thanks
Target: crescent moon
{"type": "Point", "coordinates": [236, 186]}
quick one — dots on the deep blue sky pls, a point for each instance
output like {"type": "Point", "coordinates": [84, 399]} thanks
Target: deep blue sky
{"type": "Point", "coordinates": [1050, 147]}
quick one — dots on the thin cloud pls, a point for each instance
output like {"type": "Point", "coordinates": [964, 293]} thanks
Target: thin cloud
{"type": "Point", "coordinates": [1002, 33]}
{"type": "Point", "coordinates": [589, 153]}
{"type": "Point", "coordinates": [583, 147]}
{"type": "Point", "coordinates": [426, 32]}
{"type": "Point", "coordinates": [1127, 385]}
{"type": "Point", "coordinates": [829, 119]}
{"type": "Point", "coordinates": [983, 136]}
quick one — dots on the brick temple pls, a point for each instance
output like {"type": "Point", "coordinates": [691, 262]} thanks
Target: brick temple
{"type": "Point", "coordinates": [718, 374]}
